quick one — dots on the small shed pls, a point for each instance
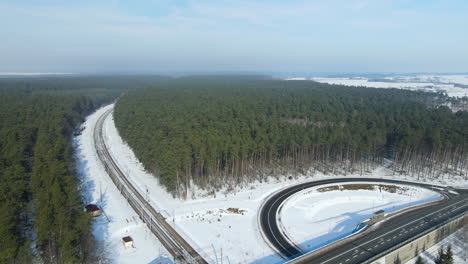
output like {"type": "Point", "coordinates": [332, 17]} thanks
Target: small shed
{"type": "Point", "coordinates": [379, 212]}
{"type": "Point", "coordinates": [93, 210]}
{"type": "Point", "coordinates": [127, 241]}
{"type": "Point", "coordinates": [378, 216]}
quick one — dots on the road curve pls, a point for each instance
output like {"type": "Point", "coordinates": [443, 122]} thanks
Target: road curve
{"type": "Point", "coordinates": [395, 230]}
{"type": "Point", "coordinates": [169, 238]}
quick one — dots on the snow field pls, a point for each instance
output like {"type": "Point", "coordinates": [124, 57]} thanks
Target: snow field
{"type": "Point", "coordinates": [204, 220]}
{"type": "Point", "coordinates": [428, 83]}
{"type": "Point", "coordinates": [315, 217]}
{"type": "Point", "coordinates": [121, 219]}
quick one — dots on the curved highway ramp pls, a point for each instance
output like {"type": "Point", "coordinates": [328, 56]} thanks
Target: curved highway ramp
{"type": "Point", "coordinates": [368, 244]}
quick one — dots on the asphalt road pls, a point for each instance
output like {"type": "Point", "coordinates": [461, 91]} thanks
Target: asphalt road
{"type": "Point", "coordinates": [394, 231]}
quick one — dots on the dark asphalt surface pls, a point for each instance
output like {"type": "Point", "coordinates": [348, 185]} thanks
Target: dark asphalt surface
{"type": "Point", "coordinates": [389, 234]}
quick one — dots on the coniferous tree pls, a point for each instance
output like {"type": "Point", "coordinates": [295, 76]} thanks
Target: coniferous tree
{"type": "Point", "coordinates": [440, 256]}
{"type": "Point", "coordinates": [39, 191]}
{"type": "Point", "coordinates": [448, 258]}
{"type": "Point", "coordinates": [419, 261]}
{"type": "Point", "coordinates": [216, 131]}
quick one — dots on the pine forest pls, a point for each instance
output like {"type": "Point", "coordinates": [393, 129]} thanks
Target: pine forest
{"type": "Point", "coordinates": [221, 131]}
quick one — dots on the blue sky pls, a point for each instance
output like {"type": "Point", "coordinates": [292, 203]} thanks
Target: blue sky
{"type": "Point", "coordinates": [222, 35]}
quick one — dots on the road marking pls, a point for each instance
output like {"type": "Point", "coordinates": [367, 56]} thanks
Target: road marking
{"type": "Point", "coordinates": [419, 219]}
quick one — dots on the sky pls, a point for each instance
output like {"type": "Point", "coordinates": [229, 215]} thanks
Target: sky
{"type": "Point", "coordinates": [107, 36]}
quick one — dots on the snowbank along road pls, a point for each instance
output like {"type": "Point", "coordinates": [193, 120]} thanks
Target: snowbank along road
{"type": "Point", "coordinates": [172, 241]}
{"type": "Point", "coordinates": [391, 232]}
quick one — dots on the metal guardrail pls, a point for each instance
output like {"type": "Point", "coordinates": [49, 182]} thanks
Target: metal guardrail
{"type": "Point", "coordinates": [171, 240]}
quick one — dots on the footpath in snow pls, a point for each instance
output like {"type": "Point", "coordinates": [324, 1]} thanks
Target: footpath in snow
{"type": "Point", "coordinates": [222, 227]}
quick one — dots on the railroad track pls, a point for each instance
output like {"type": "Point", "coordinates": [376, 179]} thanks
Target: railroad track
{"type": "Point", "coordinates": [170, 239]}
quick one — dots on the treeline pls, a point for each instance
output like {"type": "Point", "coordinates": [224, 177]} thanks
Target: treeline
{"type": "Point", "coordinates": [214, 131]}
{"type": "Point", "coordinates": [41, 208]}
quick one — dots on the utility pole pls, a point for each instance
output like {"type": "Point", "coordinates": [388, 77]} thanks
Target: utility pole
{"type": "Point", "coordinates": [100, 193]}
{"type": "Point", "coordinates": [465, 238]}
{"type": "Point", "coordinates": [147, 193]}
{"type": "Point", "coordinates": [216, 256]}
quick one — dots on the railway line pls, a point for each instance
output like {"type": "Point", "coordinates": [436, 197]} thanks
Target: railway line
{"type": "Point", "coordinates": [396, 230]}
{"type": "Point", "coordinates": [170, 239]}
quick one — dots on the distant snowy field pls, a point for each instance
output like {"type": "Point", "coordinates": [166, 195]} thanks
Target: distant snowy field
{"type": "Point", "coordinates": [453, 85]}
{"type": "Point", "coordinates": [313, 218]}
{"type": "Point", "coordinates": [207, 222]}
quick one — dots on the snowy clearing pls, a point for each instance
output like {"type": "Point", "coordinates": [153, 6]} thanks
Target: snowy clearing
{"type": "Point", "coordinates": [221, 225]}
{"type": "Point", "coordinates": [453, 85]}
{"type": "Point", "coordinates": [317, 216]}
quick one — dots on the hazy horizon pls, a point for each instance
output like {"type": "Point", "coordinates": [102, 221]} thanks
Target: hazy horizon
{"type": "Point", "coordinates": [227, 73]}
{"type": "Point", "coordinates": [128, 37]}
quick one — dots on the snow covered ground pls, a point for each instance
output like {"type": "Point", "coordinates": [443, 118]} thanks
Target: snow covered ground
{"type": "Point", "coordinates": [221, 226]}
{"type": "Point", "coordinates": [459, 243]}
{"type": "Point", "coordinates": [208, 223]}
{"type": "Point", "coordinates": [316, 216]}
{"type": "Point", "coordinates": [119, 219]}
{"type": "Point", "coordinates": [453, 85]}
